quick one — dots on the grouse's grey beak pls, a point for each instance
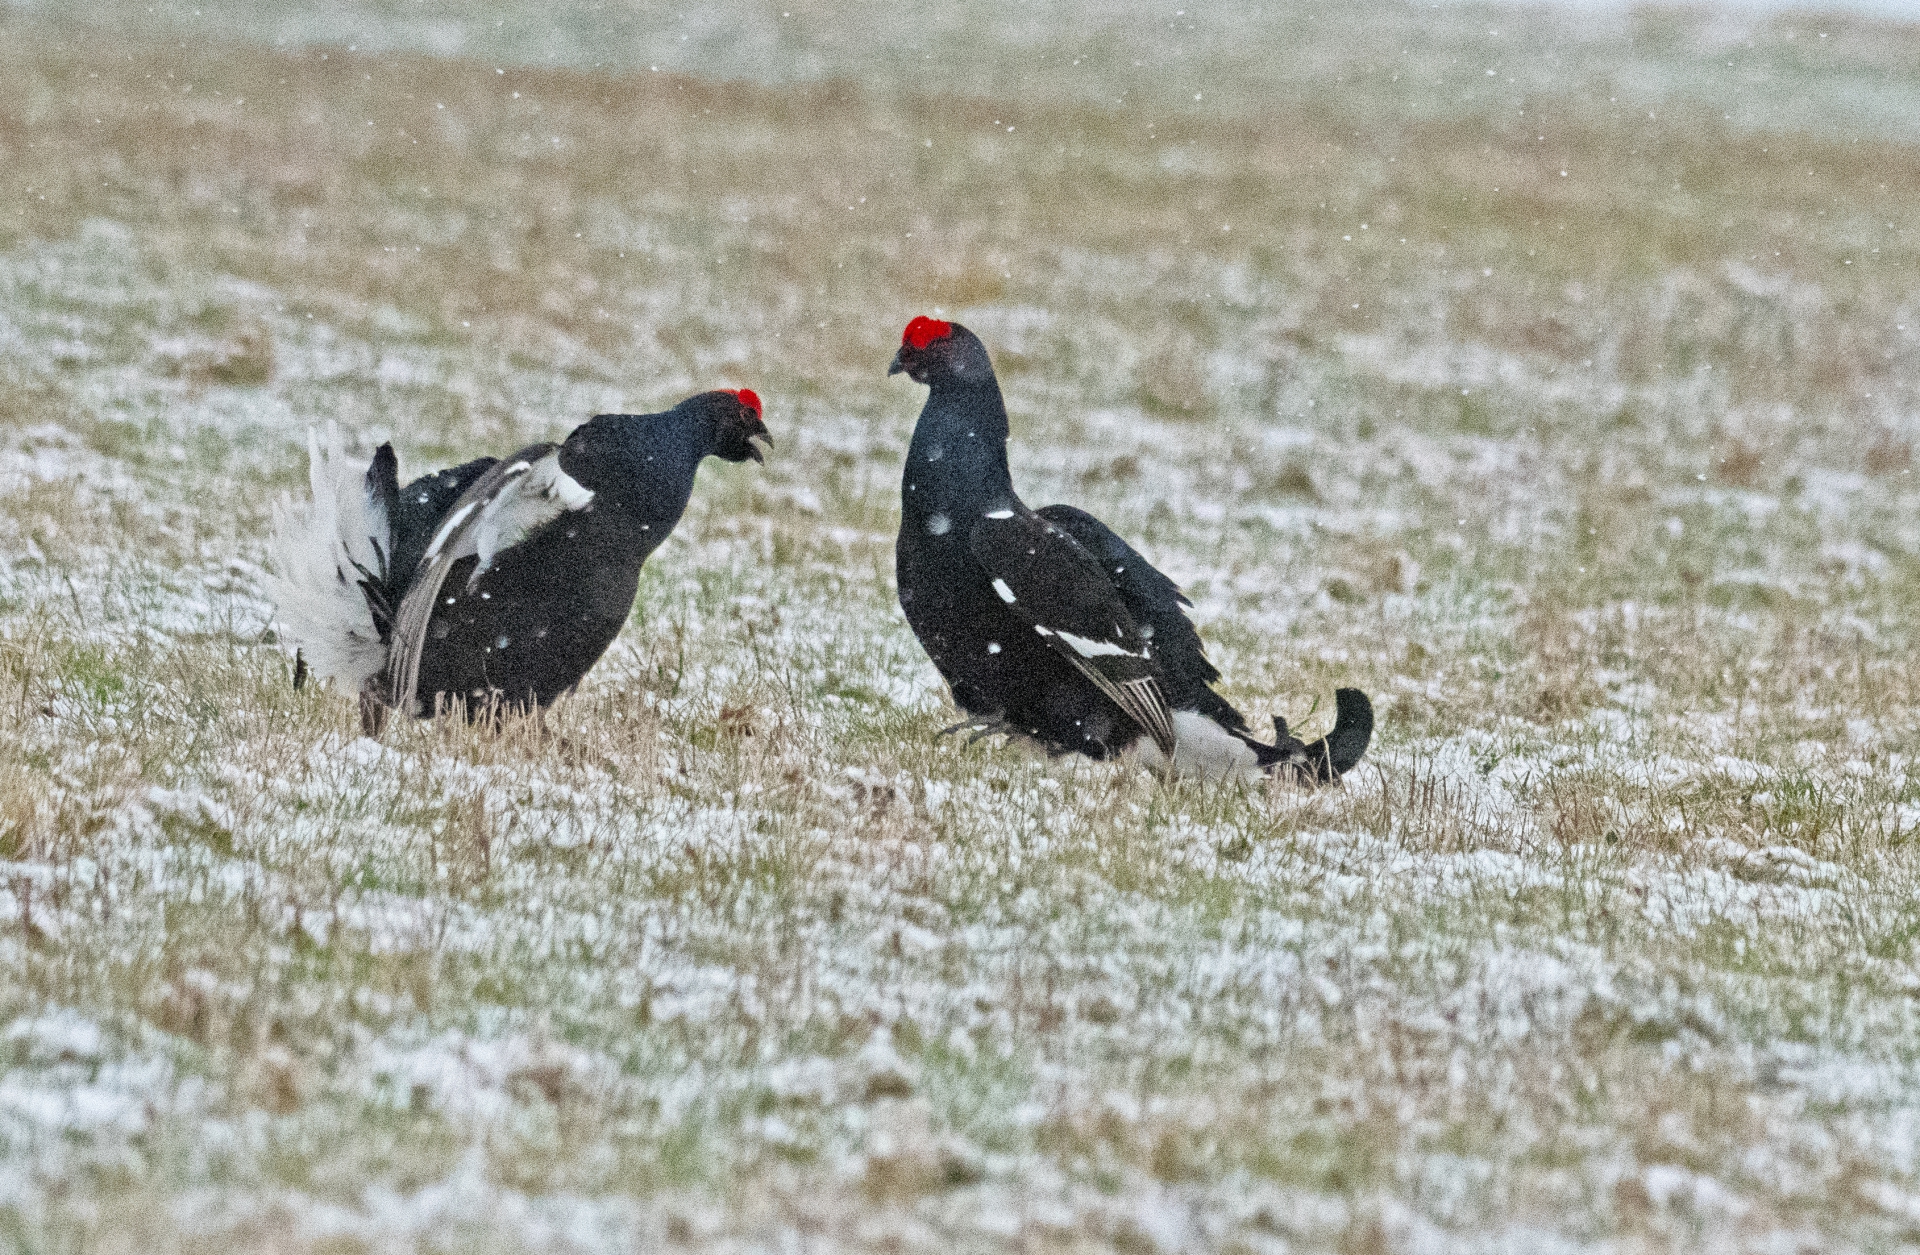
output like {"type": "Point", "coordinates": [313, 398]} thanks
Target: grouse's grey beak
{"type": "Point", "coordinates": [897, 366]}
{"type": "Point", "coordinates": [753, 450]}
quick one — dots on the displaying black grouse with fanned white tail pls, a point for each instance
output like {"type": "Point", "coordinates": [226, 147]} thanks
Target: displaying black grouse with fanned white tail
{"type": "Point", "coordinates": [1046, 625]}
{"type": "Point", "coordinates": [499, 583]}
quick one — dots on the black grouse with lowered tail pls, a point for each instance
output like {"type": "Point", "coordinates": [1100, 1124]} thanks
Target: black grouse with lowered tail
{"type": "Point", "coordinates": [1045, 624]}
{"type": "Point", "coordinates": [496, 584]}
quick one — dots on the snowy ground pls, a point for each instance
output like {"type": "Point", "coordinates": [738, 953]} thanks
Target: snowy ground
{"type": "Point", "coordinates": [1570, 411]}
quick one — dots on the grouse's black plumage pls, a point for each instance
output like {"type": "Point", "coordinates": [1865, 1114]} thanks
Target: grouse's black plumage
{"type": "Point", "coordinates": [498, 583]}
{"type": "Point", "coordinates": [1045, 624]}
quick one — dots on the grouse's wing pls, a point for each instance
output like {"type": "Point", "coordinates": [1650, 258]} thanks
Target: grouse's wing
{"type": "Point", "coordinates": [1160, 608]}
{"type": "Point", "coordinates": [1049, 580]}
{"type": "Point", "coordinates": [421, 507]}
{"type": "Point", "coordinates": [1155, 601]}
{"type": "Point", "coordinates": [497, 511]}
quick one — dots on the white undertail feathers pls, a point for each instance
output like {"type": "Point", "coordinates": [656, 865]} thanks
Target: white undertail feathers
{"type": "Point", "coordinates": [1201, 749]}
{"type": "Point", "coordinates": [320, 549]}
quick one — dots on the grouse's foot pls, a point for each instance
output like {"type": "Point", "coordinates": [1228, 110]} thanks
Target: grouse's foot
{"type": "Point", "coordinates": [976, 729]}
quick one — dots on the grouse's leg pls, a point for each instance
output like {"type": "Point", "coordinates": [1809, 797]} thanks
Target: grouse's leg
{"type": "Point", "coordinates": [373, 708]}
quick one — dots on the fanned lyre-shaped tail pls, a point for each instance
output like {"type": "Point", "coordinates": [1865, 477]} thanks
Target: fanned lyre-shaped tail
{"type": "Point", "coordinates": [1326, 759]}
{"type": "Point", "coordinates": [1340, 750]}
{"type": "Point", "coordinates": [330, 557]}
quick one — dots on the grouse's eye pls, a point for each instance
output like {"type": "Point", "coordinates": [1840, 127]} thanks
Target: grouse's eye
{"type": "Point", "coordinates": [748, 398]}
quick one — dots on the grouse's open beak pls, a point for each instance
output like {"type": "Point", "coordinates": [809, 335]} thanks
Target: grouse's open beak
{"type": "Point", "coordinates": [753, 450]}
{"type": "Point", "coordinates": [897, 366]}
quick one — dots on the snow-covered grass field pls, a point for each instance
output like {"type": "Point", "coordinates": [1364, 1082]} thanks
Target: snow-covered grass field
{"type": "Point", "coordinates": [1559, 389]}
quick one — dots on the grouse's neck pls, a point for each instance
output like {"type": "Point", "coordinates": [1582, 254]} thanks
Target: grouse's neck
{"type": "Point", "coordinates": [641, 466]}
{"type": "Point", "coordinates": [957, 464]}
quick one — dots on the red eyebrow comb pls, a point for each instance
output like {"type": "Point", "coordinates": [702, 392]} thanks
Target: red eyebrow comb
{"type": "Point", "coordinates": [923, 331]}
{"type": "Point", "coordinates": [749, 398]}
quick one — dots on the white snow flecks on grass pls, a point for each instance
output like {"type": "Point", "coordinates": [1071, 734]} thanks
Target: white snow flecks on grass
{"type": "Point", "coordinates": [59, 1037]}
{"type": "Point", "coordinates": [108, 1109]}
{"type": "Point", "coordinates": [48, 454]}
{"type": "Point", "coordinates": [464, 1208]}
{"type": "Point", "coordinates": [70, 1098]}
{"type": "Point", "coordinates": [479, 1081]}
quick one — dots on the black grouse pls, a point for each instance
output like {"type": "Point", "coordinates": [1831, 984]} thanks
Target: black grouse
{"type": "Point", "coordinates": [1046, 625]}
{"type": "Point", "coordinates": [496, 584]}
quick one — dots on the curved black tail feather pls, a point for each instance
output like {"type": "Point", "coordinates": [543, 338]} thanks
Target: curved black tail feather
{"type": "Point", "coordinates": [1336, 753]}
{"type": "Point", "coordinates": [1328, 758]}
